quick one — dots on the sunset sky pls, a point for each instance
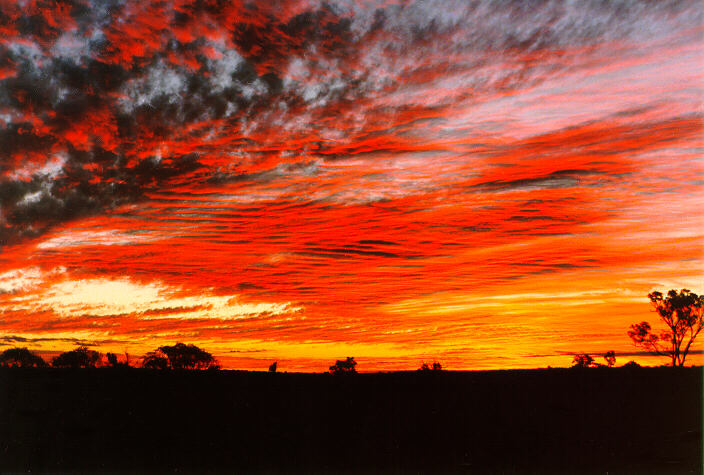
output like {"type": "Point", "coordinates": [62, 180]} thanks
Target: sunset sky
{"type": "Point", "coordinates": [491, 184]}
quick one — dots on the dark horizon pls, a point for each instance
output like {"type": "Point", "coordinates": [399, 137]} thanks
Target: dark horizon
{"type": "Point", "coordinates": [558, 420]}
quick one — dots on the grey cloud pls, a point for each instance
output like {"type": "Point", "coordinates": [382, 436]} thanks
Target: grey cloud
{"type": "Point", "coordinates": [344, 52]}
{"type": "Point", "coordinates": [549, 181]}
{"type": "Point", "coordinates": [536, 218]}
{"type": "Point", "coordinates": [31, 207]}
{"type": "Point", "coordinates": [378, 242]}
{"type": "Point", "coordinates": [19, 339]}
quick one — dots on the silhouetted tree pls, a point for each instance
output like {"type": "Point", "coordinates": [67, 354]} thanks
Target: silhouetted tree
{"type": "Point", "coordinates": [436, 366]}
{"type": "Point", "coordinates": [179, 356]}
{"type": "Point", "coordinates": [113, 363]}
{"type": "Point", "coordinates": [610, 357]}
{"type": "Point", "coordinates": [155, 360]}
{"type": "Point", "coordinates": [21, 358]}
{"type": "Point", "coordinates": [183, 356]}
{"type": "Point", "coordinates": [683, 313]}
{"type": "Point", "coordinates": [344, 367]}
{"type": "Point", "coordinates": [81, 357]}
{"type": "Point", "coordinates": [272, 368]}
{"type": "Point", "coordinates": [582, 361]}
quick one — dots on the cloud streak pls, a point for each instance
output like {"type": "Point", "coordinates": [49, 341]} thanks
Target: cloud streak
{"type": "Point", "coordinates": [327, 163]}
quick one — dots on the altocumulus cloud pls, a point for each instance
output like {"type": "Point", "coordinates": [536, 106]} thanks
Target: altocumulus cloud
{"type": "Point", "coordinates": [104, 102]}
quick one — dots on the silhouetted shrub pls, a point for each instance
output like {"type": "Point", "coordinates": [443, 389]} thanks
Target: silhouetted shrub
{"type": "Point", "coordinates": [179, 356]}
{"type": "Point", "coordinates": [436, 366]}
{"type": "Point", "coordinates": [21, 358]}
{"type": "Point", "coordinates": [632, 364]}
{"type": "Point", "coordinates": [272, 368]}
{"type": "Point", "coordinates": [610, 358]}
{"type": "Point", "coordinates": [81, 357]}
{"type": "Point", "coordinates": [344, 367]}
{"type": "Point", "coordinates": [582, 361]}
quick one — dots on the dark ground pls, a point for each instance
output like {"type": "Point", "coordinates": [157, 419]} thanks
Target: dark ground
{"type": "Point", "coordinates": [566, 421]}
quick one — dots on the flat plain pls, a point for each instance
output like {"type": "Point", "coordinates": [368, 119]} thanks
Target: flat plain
{"type": "Point", "coordinates": [556, 420]}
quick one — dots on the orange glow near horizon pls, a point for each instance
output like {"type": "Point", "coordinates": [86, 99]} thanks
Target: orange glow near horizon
{"type": "Point", "coordinates": [479, 185]}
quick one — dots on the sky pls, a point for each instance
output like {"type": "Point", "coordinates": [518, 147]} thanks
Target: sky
{"type": "Point", "coordinates": [487, 184]}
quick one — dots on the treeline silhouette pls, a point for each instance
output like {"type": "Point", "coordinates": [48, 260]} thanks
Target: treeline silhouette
{"type": "Point", "coordinates": [584, 360]}
{"type": "Point", "coordinates": [179, 357]}
{"type": "Point", "coordinates": [183, 356]}
{"type": "Point", "coordinates": [682, 312]}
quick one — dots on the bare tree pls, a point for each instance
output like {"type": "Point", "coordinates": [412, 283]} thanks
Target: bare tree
{"type": "Point", "coordinates": [682, 314]}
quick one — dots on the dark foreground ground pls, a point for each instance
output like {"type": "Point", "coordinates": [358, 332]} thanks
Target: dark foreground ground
{"type": "Point", "coordinates": [615, 420]}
